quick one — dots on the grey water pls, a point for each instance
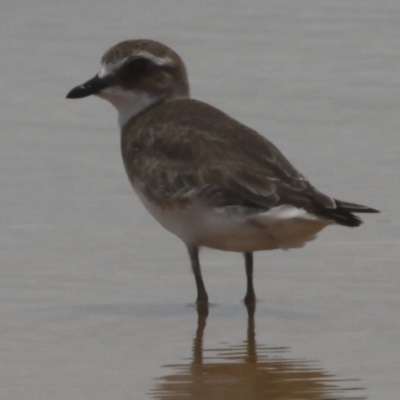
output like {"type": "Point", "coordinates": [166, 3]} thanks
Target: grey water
{"type": "Point", "coordinates": [96, 298]}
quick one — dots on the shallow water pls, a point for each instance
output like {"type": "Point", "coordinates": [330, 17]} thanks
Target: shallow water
{"type": "Point", "coordinates": [94, 294]}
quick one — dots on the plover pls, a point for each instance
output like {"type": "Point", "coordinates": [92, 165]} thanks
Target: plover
{"type": "Point", "coordinates": [204, 176]}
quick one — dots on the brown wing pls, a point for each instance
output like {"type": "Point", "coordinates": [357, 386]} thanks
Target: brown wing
{"type": "Point", "coordinates": [184, 148]}
{"type": "Point", "coordinates": [206, 152]}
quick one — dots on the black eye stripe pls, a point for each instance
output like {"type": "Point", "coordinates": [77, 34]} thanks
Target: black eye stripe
{"type": "Point", "coordinates": [138, 66]}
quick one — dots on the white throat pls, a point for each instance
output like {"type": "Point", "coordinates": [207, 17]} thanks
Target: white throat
{"type": "Point", "coordinates": [127, 102]}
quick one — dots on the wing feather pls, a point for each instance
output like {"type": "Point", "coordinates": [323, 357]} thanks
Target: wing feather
{"type": "Point", "coordinates": [209, 154]}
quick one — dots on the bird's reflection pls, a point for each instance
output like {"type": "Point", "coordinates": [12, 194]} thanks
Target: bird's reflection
{"type": "Point", "coordinates": [249, 371]}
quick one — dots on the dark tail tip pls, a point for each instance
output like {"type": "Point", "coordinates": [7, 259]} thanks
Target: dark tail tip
{"type": "Point", "coordinates": [356, 208]}
{"type": "Point", "coordinates": [343, 213]}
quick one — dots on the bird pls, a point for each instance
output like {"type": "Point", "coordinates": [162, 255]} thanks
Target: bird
{"type": "Point", "coordinates": [205, 177]}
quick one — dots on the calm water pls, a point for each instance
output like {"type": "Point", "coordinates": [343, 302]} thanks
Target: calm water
{"type": "Point", "coordinates": [95, 296]}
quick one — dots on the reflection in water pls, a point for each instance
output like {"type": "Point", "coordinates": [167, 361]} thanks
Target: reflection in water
{"type": "Point", "coordinates": [247, 372]}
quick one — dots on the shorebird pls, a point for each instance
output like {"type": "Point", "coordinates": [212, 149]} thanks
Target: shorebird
{"type": "Point", "coordinates": [204, 176]}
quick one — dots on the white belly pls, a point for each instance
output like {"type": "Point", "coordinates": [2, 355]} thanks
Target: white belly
{"type": "Point", "coordinates": [234, 229]}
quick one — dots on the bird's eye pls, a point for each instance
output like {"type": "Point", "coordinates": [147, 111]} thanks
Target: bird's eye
{"type": "Point", "coordinates": [138, 66]}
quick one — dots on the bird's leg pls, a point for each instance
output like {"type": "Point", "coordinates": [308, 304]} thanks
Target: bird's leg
{"type": "Point", "coordinates": [250, 297]}
{"type": "Point", "coordinates": [202, 297]}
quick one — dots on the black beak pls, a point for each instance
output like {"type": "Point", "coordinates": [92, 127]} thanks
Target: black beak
{"type": "Point", "coordinates": [92, 86]}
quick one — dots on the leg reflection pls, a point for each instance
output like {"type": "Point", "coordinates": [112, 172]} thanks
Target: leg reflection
{"type": "Point", "coordinates": [247, 370]}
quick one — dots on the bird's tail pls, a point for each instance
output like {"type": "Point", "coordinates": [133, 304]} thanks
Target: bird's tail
{"type": "Point", "coordinates": [343, 213]}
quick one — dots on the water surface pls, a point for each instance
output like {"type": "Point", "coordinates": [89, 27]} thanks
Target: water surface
{"type": "Point", "coordinates": [94, 293]}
